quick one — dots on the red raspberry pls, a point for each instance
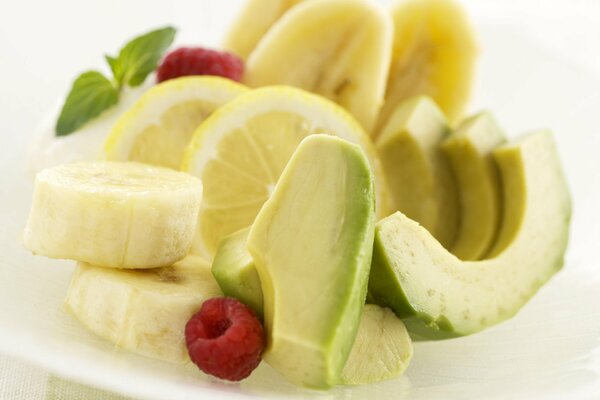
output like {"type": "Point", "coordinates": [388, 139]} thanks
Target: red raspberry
{"type": "Point", "coordinates": [198, 61]}
{"type": "Point", "coordinates": [225, 339]}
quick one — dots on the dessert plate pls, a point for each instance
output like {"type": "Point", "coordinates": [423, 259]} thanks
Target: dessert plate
{"type": "Point", "coordinates": [551, 349]}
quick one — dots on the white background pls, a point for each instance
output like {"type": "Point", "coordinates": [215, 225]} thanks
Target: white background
{"type": "Point", "coordinates": [45, 44]}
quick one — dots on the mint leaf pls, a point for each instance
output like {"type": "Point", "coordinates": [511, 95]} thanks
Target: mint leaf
{"type": "Point", "coordinates": [114, 65]}
{"type": "Point", "coordinates": [138, 58]}
{"type": "Point", "coordinates": [91, 94]}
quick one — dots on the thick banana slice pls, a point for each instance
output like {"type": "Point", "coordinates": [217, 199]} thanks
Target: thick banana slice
{"type": "Point", "coordinates": [339, 49]}
{"type": "Point", "coordinates": [434, 54]}
{"type": "Point", "coordinates": [253, 22]}
{"type": "Point", "coordinates": [113, 214]}
{"type": "Point", "coordinates": [142, 311]}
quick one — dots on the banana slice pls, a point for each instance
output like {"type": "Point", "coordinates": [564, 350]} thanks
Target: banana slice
{"type": "Point", "coordinates": [339, 49]}
{"type": "Point", "coordinates": [113, 214]}
{"type": "Point", "coordinates": [434, 54]}
{"type": "Point", "coordinates": [142, 311]}
{"type": "Point", "coordinates": [253, 22]}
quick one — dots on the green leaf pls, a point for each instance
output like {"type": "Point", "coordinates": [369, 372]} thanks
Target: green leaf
{"type": "Point", "coordinates": [140, 56]}
{"type": "Point", "coordinates": [114, 65]}
{"type": "Point", "coordinates": [91, 94]}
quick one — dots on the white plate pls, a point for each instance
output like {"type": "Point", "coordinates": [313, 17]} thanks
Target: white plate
{"type": "Point", "coordinates": [551, 349]}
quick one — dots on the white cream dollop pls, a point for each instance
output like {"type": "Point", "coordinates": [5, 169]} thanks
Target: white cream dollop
{"type": "Point", "coordinates": [48, 150]}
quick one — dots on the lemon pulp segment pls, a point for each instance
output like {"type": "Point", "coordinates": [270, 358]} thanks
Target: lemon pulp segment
{"type": "Point", "coordinates": [240, 151]}
{"type": "Point", "coordinates": [159, 126]}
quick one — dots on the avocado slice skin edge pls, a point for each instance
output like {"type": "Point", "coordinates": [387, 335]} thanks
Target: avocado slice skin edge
{"type": "Point", "coordinates": [440, 296]}
{"type": "Point", "coordinates": [233, 268]}
{"type": "Point", "coordinates": [418, 173]}
{"type": "Point", "coordinates": [469, 152]}
{"type": "Point", "coordinates": [312, 244]}
{"type": "Point", "coordinates": [382, 349]}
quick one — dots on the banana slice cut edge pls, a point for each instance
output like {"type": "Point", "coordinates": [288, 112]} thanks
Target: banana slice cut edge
{"type": "Point", "coordinates": [113, 214]}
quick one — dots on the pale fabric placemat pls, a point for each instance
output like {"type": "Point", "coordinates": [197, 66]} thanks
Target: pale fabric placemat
{"type": "Point", "coordinates": [21, 381]}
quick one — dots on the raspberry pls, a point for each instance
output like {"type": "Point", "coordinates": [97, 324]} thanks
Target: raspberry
{"type": "Point", "coordinates": [198, 61]}
{"type": "Point", "coordinates": [225, 339]}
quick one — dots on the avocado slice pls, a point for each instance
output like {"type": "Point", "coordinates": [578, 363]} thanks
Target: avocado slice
{"type": "Point", "coordinates": [382, 348]}
{"type": "Point", "coordinates": [233, 268]}
{"type": "Point", "coordinates": [439, 295]}
{"type": "Point", "coordinates": [419, 178]}
{"type": "Point", "coordinates": [469, 152]}
{"type": "Point", "coordinates": [311, 243]}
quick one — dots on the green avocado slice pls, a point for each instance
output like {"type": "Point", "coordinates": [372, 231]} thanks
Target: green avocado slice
{"type": "Point", "coordinates": [312, 243]}
{"type": "Point", "coordinates": [382, 348]}
{"type": "Point", "coordinates": [233, 268]}
{"type": "Point", "coordinates": [439, 295]}
{"type": "Point", "coordinates": [419, 178]}
{"type": "Point", "coordinates": [469, 152]}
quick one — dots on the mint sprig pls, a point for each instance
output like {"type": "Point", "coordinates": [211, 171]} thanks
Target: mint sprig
{"type": "Point", "coordinates": [140, 57]}
{"type": "Point", "coordinates": [92, 93]}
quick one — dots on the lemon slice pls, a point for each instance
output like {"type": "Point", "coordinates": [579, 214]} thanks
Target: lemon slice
{"type": "Point", "coordinates": [159, 126]}
{"type": "Point", "coordinates": [240, 151]}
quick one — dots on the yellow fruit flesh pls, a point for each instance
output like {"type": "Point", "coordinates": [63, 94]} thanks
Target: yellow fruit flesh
{"type": "Point", "coordinates": [311, 244]}
{"type": "Point", "coordinates": [434, 53]}
{"type": "Point", "coordinates": [382, 348]}
{"type": "Point", "coordinates": [240, 151]}
{"type": "Point", "coordinates": [253, 22]}
{"type": "Point", "coordinates": [419, 177]}
{"type": "Point", "coordinates": [447, 297]}
{"type": "Point", "coordinates": [514, 201]}
{"type": "Point", "coordinates": [163, 143]}
{"type": "Point", "coordinates": [159, 126]}
{"type": "Point", "coordinates": [469, 151]}
{"type": "Point", "coordinates": [264, 147]}
{"type": "Point", "coordinates": [339, 49]}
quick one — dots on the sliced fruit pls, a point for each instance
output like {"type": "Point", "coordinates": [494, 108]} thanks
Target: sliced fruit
{"type": "Point", "coordinates": [234, 270]}
{"type": "Point", "coordinates": [469, 151]}
{"type": "Point", "coordinates": [311, 244]}
{"type": "Point", "coordinates": [339, 49]}
{"type": "Point", "coordinates": [434, 54]}
{"type": "Point", "coordinates": [417, 171]}
{"type": "Point", "coordinates": [159, 126]}
{"type": "Point", "coordinates": [142, 311]}
{"type": "Point", "coordinates": [254, 20]}
{"type": "Point", "coordinates": [440, 295]}
{"type": "Point", "coordinates": [240, 151]}
{"type": "Point", "coordinates": [113, 214]}
{"type": "Point", "coordinates": [382, 349]}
